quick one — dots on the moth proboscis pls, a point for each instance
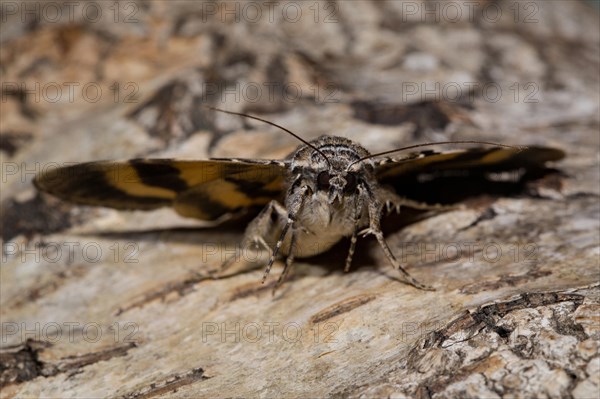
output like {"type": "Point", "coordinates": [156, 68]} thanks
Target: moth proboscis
{"type": "Point", "coordinates": [327, 189]}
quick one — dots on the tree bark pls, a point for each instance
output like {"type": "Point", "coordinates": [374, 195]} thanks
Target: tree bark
{"type": "Point", "coordinates": [102, 303]}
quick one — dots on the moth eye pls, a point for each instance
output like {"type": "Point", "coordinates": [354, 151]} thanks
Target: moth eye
{"type": "Point", "coordinates": [351, 183]}
{"type": "Point", "coordinates": [323, 180]}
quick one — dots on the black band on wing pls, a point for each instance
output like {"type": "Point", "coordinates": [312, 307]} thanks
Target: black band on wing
{"type": "Point", "coordinates": [252, 189]}
{"type": "Point", "coordinates": [87, 185]}
{"type": "Point", "coordinates": [159, 175]}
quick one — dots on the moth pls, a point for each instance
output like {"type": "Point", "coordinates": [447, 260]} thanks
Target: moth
{"type": "Point", "coordinates": [327, 189]}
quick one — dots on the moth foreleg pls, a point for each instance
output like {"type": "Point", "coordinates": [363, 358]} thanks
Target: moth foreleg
{"type": "Point", "coordinates": [375, 229]}
{"type": "Point", "coordinates": [288, 262]}
{"type": "Point", "coordinates": [353, 239]}
{"type": "Point", "coordinates": [357, 216]}
{"type": "Point", "coordinates": [294, 204]}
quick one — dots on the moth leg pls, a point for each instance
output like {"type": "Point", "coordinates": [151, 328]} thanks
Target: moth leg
{"type": "Point", "coordinates": [375, 229]}
{"type": "Point", "coordinates": [274, 253]}
{"type": "Point", "coordinates": [257, 230]}
{"type": "Point", "coordinates": [357, 217]}
{"type": "Point", "coordinates": [388, 253]}
{"type": "Point", "coordinates": [393, 201]}
{"type": "Point", "coordinates": [294, 205]}
{"type": "Point", "coordinates": [289, 260]}
{"type": "Point", "coordinates": [353, 239]}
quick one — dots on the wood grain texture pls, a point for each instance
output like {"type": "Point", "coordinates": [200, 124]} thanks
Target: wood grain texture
{"type": "Point", "coordinates": [102, 303]}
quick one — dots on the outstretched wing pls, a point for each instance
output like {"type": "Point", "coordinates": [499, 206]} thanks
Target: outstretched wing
{"type": "Point", "coordinates": [200, 189]}
{"type": "Point", "coordinates": [450, 177]}
{"type": "Point", "coordinates": [495, 159]}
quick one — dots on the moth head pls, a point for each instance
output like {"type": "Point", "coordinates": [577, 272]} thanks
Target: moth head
{"type": "Point", "coordinates": [337, 184]}
{"type": "Point", "coordinates": [328, 170]}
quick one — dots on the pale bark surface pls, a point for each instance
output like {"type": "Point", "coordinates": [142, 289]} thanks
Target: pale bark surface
{"type": "Point", "coordinates": [516, 310]}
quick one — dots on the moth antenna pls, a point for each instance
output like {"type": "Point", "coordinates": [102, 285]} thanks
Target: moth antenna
{"type": "Point", "coordinates": [272, 124]}
{"type": "Point", "coordinates": [520, 148]}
